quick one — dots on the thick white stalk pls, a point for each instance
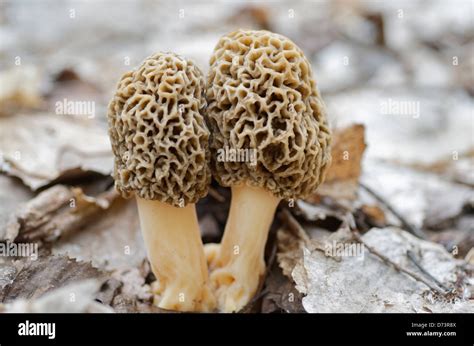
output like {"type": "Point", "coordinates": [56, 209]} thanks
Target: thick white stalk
{"type": "Point", "coordinates": [238, 262]}
{"type": "Point", "coordinates": [176, 254]}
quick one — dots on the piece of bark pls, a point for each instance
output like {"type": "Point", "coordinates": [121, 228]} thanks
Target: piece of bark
{"type": "Point", "coordinates": [55, 212]}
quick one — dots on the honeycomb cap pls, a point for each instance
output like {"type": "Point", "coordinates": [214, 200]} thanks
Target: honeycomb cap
{"type": "Point", "coordinates": [261, 96]}
{"type": "Point", "coordinates": [158, 133]}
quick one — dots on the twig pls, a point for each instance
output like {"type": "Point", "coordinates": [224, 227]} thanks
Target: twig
{"type": "Point", "coordinates": [294, 225]}
{"type": "Point", "coordinates": [397, 267]}
{"type": "Point", "coordinates": [413, 230]}
{"type": "Point", "coordinates": [412, 257]}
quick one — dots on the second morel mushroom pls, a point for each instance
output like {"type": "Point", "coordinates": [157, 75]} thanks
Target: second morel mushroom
{"type": "Point", "coordinates": [160, 143]}
{"type": "Point", "coordinates": [261, 98]}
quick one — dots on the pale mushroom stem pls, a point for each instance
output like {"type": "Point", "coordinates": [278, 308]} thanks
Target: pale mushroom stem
{"type": "Point", "coordinates": [239, 260]}
{"type": "Point", "coordinates": [176, 254]}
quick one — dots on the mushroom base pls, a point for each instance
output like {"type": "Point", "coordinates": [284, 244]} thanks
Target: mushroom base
{"type": "Point", "coordinates": [176, 255]}
{"type": "Point", "coordinates": [238, 264]}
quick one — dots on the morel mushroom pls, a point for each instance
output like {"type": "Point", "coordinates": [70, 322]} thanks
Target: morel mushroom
{"type": "Point", "coordinates": [160, 143]}
{"type": "Point", "coordinates": [261, 97]}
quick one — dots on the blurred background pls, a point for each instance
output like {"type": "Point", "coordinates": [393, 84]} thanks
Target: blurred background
{"type": "Point", "coordinates": [400, 71]}
{"type": "Point", "coordinates": [364, 54]}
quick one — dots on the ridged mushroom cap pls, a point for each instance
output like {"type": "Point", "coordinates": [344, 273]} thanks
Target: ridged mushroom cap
{"type": "Point", "coordinates": [261, 96]}
{"type": "Point", "coordinates": [158, 133]}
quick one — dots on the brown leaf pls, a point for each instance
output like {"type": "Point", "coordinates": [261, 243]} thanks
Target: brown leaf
{"type": "Point", "coordinates": [35, 278]}
{"type": "Point", "coordinates": [281, 294]}
{"type": "Point", "coordinates": [375, 214]}
{"type": "Point", "coordinates": [342, 178]}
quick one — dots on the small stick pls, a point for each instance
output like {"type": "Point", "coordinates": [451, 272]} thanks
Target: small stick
{"type": "Point", "coordinates": [412, 257]}
{"type": "Point", "coordinates": [290, 220]}
{"type": "Point", "coordinates": [397, 267]}
{"type": "Point", "coordinates": [413, 230]}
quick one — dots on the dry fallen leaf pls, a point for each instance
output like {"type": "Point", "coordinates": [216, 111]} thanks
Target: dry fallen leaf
{"type": "Point", "coordinates": [42, 148]}
{"type": "Point", "coordinates": [280, 293]}
{"type": "Point", "coordinates": [342, 178]}
{"type": "Point", "coordinates": [112, 242]}
{"type": "Point", "coordinates": [55, 212]}
{"type": "Point", "coordinates": [35, 278]}
{"type": "Point", "coordinates": [347, 149]}
{"type": "Point", "coordinates": [417, 195]}
{"type": "Point", "coordinates": [374, 213]}
{"type": "Point", "coordinates": [363, 283]}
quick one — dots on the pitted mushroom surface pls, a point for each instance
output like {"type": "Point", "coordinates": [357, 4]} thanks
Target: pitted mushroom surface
{"type": "Point", "coordinates": [160, 143]}
{"type": "Point", "coordinates": [261, 96]}
{"type": "Point", "coordinates": [158, 134]}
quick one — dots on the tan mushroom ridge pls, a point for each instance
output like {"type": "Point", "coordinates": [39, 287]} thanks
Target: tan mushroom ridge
{"type": "Point", "coordinates": [158, 133]}
{"type": "Point", "coordinates": [160, 143]}
{"type": "Point", "coordinates": [261, 96]}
